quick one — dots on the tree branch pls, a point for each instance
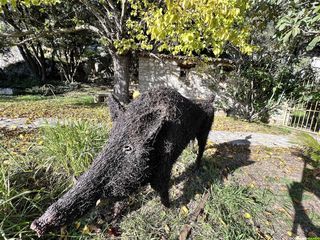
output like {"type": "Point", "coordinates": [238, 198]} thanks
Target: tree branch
{"type": "Point", "coordinates": [32, 35]}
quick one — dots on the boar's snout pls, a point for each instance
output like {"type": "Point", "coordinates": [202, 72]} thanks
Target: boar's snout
{"type": "Point", "coordinates": [43, 224]}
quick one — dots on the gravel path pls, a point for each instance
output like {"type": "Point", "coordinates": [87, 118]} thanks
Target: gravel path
{"type": "Point", "coordinates": [235, 138]}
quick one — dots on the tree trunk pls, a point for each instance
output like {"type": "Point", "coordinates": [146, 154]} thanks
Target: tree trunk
{"type": "Point", "coordinates": [36, 65]}
{"type": "Point", "coordinates": [121, 68]}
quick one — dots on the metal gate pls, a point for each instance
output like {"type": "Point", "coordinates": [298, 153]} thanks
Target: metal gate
{"type": "Point", "coordinates": [303, 116]}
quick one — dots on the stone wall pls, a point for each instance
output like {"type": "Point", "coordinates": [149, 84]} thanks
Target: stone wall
{"type": "Point", "coordinates": [190, 82]}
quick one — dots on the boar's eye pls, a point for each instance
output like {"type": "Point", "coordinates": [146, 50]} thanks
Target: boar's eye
{"type": "Point", "coordinates": [127, 149]}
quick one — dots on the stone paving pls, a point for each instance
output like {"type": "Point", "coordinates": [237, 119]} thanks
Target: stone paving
{"type": "Point", "coordinates": [25, 123]}
{"type": "Point", "coordinates": [251, 138]}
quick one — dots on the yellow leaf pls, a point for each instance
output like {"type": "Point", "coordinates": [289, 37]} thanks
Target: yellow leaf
{"type": "Point", "coordinates": [268, 237]}
{"type": "Point", "coordinates": [63, 233]}
{"type": "Point", "coordinates": [167, 229]}
{"type": "Point", "coordinates": [289, 233]}
{"type": "Point", "coordinates": [77, 225]}
{"type": "Point", "coordinates": [135, 94]}
{"type": "Point", "coordinates": [247, 215]}
{"type": "Point", "coordinates": [184, 210]}
{"type": "Point", "coordinates": [13, 127]}
{"type": "Point", "coordinates": [210, 143]}
{"type": "Point", "coordinates": [40, 142]}
{"type": "Point", "coordinates": [86, 230]}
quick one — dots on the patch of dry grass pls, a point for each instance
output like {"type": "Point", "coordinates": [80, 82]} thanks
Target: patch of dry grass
{"type": "Point", "coordinates": [223, 123]}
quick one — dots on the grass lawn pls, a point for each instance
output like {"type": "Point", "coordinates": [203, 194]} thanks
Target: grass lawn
{"type": "Point", "coordinates": [223, 123]}
{"type": "Point", "coordinates": [37, 167]}
{"type": "Point", "coordinates": [80, 105]}
{"type": "Point", "coordinates": [254, 192]}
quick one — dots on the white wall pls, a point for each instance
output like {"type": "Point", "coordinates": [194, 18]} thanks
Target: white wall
{"type": "Point", "coordinates": [10, 57]}
{"type": "Point", "coordinates": [159, 72]}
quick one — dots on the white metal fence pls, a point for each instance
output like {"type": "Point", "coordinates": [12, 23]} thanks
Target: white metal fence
{"type": "Point", "coordinates": [303, 116]}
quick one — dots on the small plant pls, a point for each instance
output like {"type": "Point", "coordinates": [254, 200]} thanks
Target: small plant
{"type": "Point", "coordinates": [73, 146]}
{"type": "Point", "coordinates": [312, 148]}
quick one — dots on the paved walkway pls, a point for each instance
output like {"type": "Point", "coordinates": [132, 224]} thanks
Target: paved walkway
{"type": "Point", "coordinates": [235, 138]}
{"type": "Point", "coordinates": [251, 138]}
{"type": "Point", "coordinates": [24, 123]}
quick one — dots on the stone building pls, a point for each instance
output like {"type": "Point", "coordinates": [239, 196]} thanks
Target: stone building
{"type": "Point", "coordinates": [191, 78]}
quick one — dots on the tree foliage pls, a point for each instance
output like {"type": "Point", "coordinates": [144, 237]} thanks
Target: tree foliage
{"type": "Point", "coordinates": [47, 35]}
{"type": "Point", "coordinates": [187, 26]}
{"type": "Point", "coordinates": [299, 23]}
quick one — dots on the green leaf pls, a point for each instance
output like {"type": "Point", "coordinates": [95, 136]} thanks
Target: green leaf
{"type": "Point", "coordinates": [313, 43]}
{"type": "Point", "coordinates": [315, 19]}
{"type": "Point", "coordinates": [287, 37]}
{"type": "Point", "coordinates": [295, 31]}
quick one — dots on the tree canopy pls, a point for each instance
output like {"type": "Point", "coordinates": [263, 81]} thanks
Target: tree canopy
{"type": "Point", "coordinates": [188, 27]}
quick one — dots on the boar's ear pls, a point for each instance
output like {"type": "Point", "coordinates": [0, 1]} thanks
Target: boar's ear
{"type": "Point", "coordinates": [153, 123]}
{"type": "Point", "coordinates": [116, 109]}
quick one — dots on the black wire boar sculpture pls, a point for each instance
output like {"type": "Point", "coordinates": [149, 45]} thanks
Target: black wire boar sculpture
{"type": "Point", "coordinates": [145, 141]}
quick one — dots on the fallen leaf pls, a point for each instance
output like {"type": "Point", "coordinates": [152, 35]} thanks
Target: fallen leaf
{"type": "Point", "coordinates": [13, 127]}
{"type": "Point", "coordinates": [184, 210]}
{"type": "Point", "coordinates": [167, 229]}
{"type": "Point", "coordinates": [135, 94]}
{"type": "Point", "coordinates": [63, 233]}
{"type": "Point", "coordinates": [77, 225]}
{"type": "Point", "coordinates": [86, 230]}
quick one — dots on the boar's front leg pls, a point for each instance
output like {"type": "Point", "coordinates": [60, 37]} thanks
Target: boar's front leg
{"type": "Point", "coordinates": [160, 180]}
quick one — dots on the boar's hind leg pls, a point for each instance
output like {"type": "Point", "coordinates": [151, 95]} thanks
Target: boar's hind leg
{"type": "Point", "coordinates": [160, 183]}
{"type": "Point", "coordinates": [202, 137]}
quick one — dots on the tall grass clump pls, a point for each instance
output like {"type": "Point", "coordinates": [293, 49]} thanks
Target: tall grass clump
{"type": "Point", "coordinates": [26, 189]}
{"type": "Point", "coordinates": [31, 180]}
{"type": "Point", "coordinates": [72, 146]}
{"type": "Point", "coordinates": [231, 213]}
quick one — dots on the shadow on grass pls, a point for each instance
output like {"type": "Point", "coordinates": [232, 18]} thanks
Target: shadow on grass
{"type": "Point", "coordinates": [310, 183]}
{"type": "Point", "coordinates": [216, 167]}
